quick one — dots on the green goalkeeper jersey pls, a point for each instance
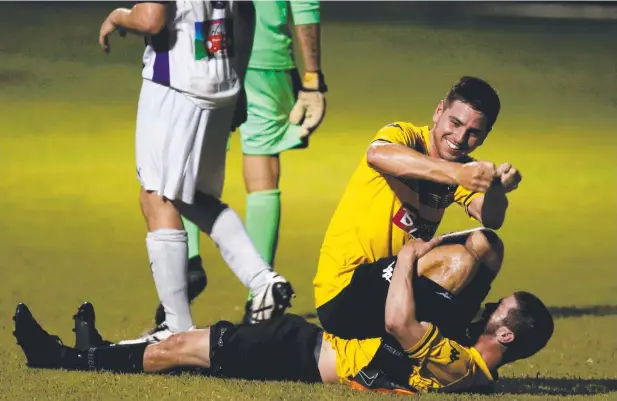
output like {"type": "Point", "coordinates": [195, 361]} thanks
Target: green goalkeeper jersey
{"type": "Point", "coordinates": [272, 46]}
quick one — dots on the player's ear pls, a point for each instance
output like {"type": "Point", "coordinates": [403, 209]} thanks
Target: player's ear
{"type": "Point", "coordinates": [504, 335]}
{"type": "Point", "coordinates": [438, 111]}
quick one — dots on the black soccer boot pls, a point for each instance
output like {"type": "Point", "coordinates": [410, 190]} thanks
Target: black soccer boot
{"type": "Point", "coordinates": [43, 350]}
{"type": "Point", "coordinates": [86, 334]}
{"type": "Point", "coordinates": [197, 282]}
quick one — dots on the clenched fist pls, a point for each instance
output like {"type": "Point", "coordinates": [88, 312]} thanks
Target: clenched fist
{"type": "Point", "coordinates": [476, 176]}
{"type": "Point", "coordinates": [509, 176]}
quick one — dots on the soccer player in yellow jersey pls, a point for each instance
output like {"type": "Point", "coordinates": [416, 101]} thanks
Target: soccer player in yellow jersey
{"type": "Point", "coordinates": [400, 191]}
{"type": "Point", "coordinates": [414, 357]}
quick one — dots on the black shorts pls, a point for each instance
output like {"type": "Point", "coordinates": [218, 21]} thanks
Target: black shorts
{"type": "Point", "coordinates": [358, 311]}
{"type": "Point", "coordinates": [283, 348]}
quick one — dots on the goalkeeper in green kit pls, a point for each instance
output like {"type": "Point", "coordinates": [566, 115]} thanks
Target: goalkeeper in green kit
{"type": "Point", "coordinates": [283, 110]}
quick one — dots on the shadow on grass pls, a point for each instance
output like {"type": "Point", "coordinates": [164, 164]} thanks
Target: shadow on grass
{"type": "Point", "coordinates": [15, 77]}
{"type": "Point", "coordinates": [577, 311]}
{"type": "Point", "coordinates": [554, 386]}
{"type": "Point", "coordinates": [523, 386]}
{"type": "Point", "coordinates": [558, 312]}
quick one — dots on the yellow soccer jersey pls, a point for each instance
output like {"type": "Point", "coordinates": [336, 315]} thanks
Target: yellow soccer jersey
{"type": "Point", "coordinates": [445, 365]}
{"type": "Point", "coordinates": [440, 364]}
{"type": "Point", "coordinates": [352, 355]}
{"type": "Point", "coordinates": [378, 214]}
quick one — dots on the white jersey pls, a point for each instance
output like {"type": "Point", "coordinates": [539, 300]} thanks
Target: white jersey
{"type": "Point", "coordinates": [194, 53]}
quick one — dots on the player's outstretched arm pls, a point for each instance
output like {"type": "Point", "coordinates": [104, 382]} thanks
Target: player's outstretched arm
{"type": "Point", "coordinates": [143, 18]}
{"type": "Point", "coordinates": [401, 161]}
{"type": "Point", "coordinates": [401, 320]}
{"type": "Point", "coordinates": [310, 107]}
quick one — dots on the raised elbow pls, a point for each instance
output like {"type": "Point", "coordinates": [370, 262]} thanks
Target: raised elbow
{"type": "Point", "coordinates": [373, 155]}
{"type": "Point", "coordinates": [394, 325]}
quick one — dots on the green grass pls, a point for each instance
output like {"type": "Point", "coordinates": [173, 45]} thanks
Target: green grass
{"type": "Point", "coordinates": [71, 229]}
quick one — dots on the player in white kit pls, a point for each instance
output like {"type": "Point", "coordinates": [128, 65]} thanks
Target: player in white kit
{"type": "Point", "coordinates": [193, 66]}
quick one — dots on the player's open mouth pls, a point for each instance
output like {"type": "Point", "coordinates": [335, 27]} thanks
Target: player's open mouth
{"type": "Point", "coordinates": [453, 146]}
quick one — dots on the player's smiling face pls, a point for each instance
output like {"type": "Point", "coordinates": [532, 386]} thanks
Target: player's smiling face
{"type": "Point", "coordinates": [458, 130]}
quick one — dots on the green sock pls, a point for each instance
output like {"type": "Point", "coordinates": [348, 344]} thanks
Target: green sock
{"type": "Point", "coordinates": [263, 213]}
{"type": "Point", "coordinates": [192, 232]}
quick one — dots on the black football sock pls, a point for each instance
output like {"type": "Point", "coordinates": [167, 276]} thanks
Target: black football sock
{"type": "Point", "coordinates": [125, 358]}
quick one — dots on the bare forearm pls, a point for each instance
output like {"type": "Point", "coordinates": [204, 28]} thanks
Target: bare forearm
{"type": "Point", "coordinates": [147, 19]}
{"type": "Point", "coordinates": [490, 209]}
{"type": "Point", "coordinates": [400, 304]}
{"type": "Point", "coordinates": [310, 44]}
{"type": "Point", "coordinates": [402, 162]}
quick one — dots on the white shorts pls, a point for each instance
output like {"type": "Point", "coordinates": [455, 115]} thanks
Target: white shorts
{"type": "Point", "coordinates": [180, 148]}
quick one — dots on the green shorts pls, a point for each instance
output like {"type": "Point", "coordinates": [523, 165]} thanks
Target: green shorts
{"type": "Point", "coordinates": [271, 95]}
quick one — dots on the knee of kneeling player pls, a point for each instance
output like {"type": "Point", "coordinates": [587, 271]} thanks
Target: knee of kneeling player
{"type": "Point", "coordinates": [488, 248]}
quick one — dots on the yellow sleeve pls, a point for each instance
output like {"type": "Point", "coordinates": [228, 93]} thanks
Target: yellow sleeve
{"type": "Point", "coordinates": [439, 350]}
{"type": "Point", "coordinates": [464, 196]}
{"type": "Point", "coordinates": [451, 355]}
{"type": "Point", "coordinates": [423, 347]}
{"type": "Point", "coordinates": [398, 133]}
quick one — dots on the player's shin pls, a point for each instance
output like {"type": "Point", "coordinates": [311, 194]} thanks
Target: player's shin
{"type": "Point", "coordinates": [117, 358]}
{"type": "Point", "coordinates": [167, 249]}
{"type": "Point", "coordinates": [238, 251]}
{"type": "Point", "coordinates": [113, 358]}
{"type": "Point", "coordinates": [263, 212]}
{"type": "Point", "coordinates": [227, 230]}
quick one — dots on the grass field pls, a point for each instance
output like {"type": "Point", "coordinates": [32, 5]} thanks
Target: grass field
{"type": "Point", "coordinates": [71, 229]}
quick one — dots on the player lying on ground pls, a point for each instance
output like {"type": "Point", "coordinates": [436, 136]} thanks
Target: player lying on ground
{"type": "Point", "coordinates": [405, 181]}
{"type": "Point", "coordinates": [413, 357]}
